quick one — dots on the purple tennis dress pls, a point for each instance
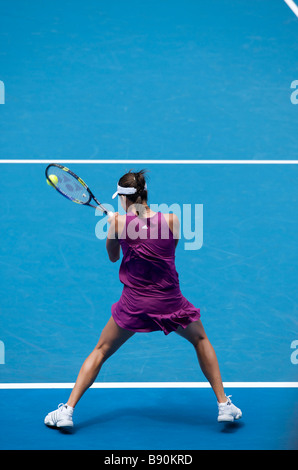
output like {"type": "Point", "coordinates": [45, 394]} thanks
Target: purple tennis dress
{"type": "Point", "coordinates": [151, 299]}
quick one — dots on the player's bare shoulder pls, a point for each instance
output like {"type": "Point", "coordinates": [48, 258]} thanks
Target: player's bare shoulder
{"type": "Point", "coordinates": [120, 223]}
{"type": "Point", "coordinates": [173, 223]}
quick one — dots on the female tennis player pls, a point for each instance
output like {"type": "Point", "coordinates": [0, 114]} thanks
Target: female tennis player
{"type": "Point", "coordinates": [151, 299]}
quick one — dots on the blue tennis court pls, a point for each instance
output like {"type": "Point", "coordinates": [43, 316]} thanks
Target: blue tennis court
{"type": "Point", "coordinates": [199, 94]}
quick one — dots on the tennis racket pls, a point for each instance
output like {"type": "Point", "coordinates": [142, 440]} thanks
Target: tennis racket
{"type": "Point", "coordinates": [72, 186]}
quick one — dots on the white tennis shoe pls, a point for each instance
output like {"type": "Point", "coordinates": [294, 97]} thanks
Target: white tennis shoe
{"type": "Point", "coordinates": [60, 418]}
{"type": "Point", "coordinates": [227, 411]}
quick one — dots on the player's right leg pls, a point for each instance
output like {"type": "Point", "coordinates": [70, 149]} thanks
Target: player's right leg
{"type": "Point", "coordinates": [196, 335]}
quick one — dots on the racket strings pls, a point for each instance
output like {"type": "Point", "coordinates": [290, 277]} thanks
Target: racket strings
{"type": "Point", "coordinates": [70, 186]}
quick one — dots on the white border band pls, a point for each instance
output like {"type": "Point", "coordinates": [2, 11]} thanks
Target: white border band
{"type": "Point", "coordinates": [120, 385]}
{"type": "Point", "coordinates": [292, 5]}
{"type": "Point", "coordinates": [155, 161]}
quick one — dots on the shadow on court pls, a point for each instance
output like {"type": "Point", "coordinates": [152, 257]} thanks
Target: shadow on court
{"type": "Point", "coordinates": [230, 428]}
{"type": "Point", "coordinates": [178, 417]}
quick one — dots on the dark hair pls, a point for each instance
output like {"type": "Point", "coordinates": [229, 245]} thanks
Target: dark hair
{"type": "Point", "coordinates": [135, 180]}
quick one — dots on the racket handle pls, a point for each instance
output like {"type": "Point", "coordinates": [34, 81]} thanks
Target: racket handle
{"type": "Point", "coordinates": [110, 214]}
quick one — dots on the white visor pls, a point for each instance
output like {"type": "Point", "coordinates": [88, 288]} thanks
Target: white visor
{"type": "Point", "coordinates": [125, 191]}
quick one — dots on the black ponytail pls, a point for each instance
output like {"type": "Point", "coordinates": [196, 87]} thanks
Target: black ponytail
{"type": "Point", "coordinates": [135, 180]}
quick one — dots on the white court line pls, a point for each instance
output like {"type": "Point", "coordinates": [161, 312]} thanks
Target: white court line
{"type": "Point", "coordinates": [293, 6]}
{"type": "Point", "coordinates": [108, 385]}
{"type": "Point", "coordinates": [155, 161]}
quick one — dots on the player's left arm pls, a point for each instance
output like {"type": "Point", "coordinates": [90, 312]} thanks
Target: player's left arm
{"type": "Point", "coordinates": [112, 244]}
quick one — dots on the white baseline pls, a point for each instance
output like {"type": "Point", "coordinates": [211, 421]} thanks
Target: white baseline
{"type": "Point", "coordinates": [57, 385]}
{"type": "Point", "coordinates": [154, 162]}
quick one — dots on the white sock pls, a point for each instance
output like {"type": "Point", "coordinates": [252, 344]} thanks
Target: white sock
{"type": "Point", "coordinates": [223, 403]}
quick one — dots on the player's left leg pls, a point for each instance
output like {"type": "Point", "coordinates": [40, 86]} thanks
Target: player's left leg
{"type": "Point", "coordinates": [111, 338]}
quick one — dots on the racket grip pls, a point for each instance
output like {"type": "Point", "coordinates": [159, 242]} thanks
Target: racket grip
{"type": "Point", "coordinates": [110, 214]}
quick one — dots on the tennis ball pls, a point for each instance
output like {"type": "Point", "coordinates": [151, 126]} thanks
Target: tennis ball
{"type": "Point", "coordinates": [53, 179]}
